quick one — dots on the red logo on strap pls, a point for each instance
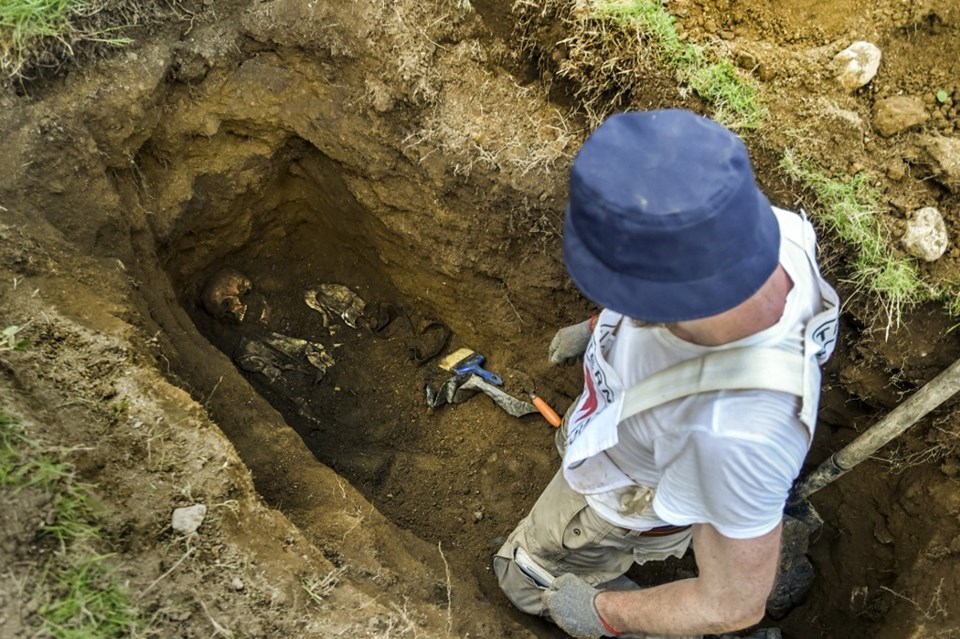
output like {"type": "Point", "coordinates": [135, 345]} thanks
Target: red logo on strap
{"type": "Point", "coordinates": [590, 403]}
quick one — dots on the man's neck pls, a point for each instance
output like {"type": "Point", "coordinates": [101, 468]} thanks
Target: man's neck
{"type": "Point", "coordinates": [760, 311]}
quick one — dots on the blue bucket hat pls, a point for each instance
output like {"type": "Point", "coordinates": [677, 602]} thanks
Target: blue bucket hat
{"type": "Point", "coordinates": [665, 222]}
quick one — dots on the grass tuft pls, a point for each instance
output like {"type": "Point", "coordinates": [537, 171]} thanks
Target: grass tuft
{"type": "Point", "coordinates": [88, 602]}
{"type": "Point", "coordinates": [38, 33]}
{"type": "Point", "coordinates": [611, 48]}
{"type": "Point", "coordinates": [72, 517]}
{"type": "Point", "coordinates": [25, 20]}
{"type": "Point", "coordinates": [736, 103]}
{"type": "Point", "coordinates": [80, 595]}
{"type": "Point", "coordinates": [735, 100]}
{"type": "Point", "coordinates": [850, 209]}
{"type": "Point", "coordinates": [41, 37]}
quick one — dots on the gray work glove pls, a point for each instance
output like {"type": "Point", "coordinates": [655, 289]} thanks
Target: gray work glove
{"type": "Point", "coordinates": [570, 342]}
{"type": "Point", "coordinates": [569, 601]}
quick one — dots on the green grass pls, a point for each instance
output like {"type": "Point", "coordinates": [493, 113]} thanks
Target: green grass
{"type": "Point", "coordinates": [26, 19]}
{"type": "Point", "coordinates": [850, 208]}
{"type": "Point", "coordinates": [13, 442]}
{"type": "Point", "coordinates": [72, 521]}
{"type": "Point", "coordinates": [29, 27]}
{"type": "Point", "coordinates": [90, 603]}
{"type": "Point", "coordinates": [9, 340]}
{"type": "Point", "coordinates": [735, 100]}
{"type": "Point", "coordinates": [79, 594]}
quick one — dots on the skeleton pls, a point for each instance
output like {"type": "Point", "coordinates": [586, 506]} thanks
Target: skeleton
{"type": "Point", "coordinates": [276, 355]}
{"type": "Point", "coordinates": [285, 361]}
{"type": "Point", "coordinates": [335, 300]}
{"type": "Point", "coordinates": [224, 297]}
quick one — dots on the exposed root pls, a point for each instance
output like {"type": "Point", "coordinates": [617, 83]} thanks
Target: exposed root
{"type": "Point", "coordinates": [940, 441]}
{"type": "Point", "coordinates": [933, 610]}
{"type": "Point", "coordinates": [446, 568]}
{"type": "Point", "coordinates": [319, 588]}
{"type": "Point", "coordinates": [166, 574]}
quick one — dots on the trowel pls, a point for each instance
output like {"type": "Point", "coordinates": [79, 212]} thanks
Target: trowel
{"type": "Point", "coordinates": [464, 361]}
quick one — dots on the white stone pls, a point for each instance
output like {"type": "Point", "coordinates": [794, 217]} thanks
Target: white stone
{"type": "Point", "coordinates": [856, 65]}
{"type": "Point", "coordinates": [187, 520]}
{"type": "Point", "coordinates": [926, 234]}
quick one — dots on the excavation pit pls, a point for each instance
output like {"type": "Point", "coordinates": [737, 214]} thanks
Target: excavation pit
{"type": "Point", "coordinates": [365, 413]}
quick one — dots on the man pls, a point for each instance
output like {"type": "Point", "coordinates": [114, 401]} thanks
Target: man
{"type": "Point", "coordinates": [667, 231]}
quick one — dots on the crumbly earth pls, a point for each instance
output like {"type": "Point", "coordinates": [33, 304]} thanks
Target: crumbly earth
{"type": "Point", "coordinates": [412, 152]}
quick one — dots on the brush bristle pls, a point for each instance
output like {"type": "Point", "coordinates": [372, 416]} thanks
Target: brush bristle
{"type": "Point", "coordinates": [454, 358]}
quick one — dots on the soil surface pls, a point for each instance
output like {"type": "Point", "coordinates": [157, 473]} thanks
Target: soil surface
{"type": "Point", "coordinates": [416, 153]}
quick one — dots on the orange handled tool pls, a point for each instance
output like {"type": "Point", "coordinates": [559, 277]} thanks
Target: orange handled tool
{"type": "Point", "coordinates": [549, 414]}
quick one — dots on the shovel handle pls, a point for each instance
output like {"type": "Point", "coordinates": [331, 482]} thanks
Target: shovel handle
{"type": "Point", "coordinates": [935, 392]}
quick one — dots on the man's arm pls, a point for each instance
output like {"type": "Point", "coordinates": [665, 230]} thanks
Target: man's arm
{"type": "Point", "coordinates": [730, 593]}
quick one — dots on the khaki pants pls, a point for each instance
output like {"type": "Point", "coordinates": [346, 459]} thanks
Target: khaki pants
{"type": "Point", "coordinates": [564, 534]}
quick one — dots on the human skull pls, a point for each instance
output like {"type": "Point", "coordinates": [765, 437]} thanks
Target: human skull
{"type": "Point", "coordinates": [221, 296]}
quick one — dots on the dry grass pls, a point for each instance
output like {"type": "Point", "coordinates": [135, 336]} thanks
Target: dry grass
{"type": "Point", "coordinates": [461, 128]}
{"type": "Point", "coordinates": [319, 588]}
{"type": "Point", "coordinates": [532, 224]}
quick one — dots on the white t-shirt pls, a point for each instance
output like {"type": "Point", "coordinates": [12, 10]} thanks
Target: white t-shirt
{"type": "Point", "coordinates": [727, 458]}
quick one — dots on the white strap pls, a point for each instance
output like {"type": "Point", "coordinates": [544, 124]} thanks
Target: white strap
{"type": "Point", "coordinates": [732, 369]}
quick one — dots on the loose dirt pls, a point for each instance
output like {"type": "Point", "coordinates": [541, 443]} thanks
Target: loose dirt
{"type": "Point", "coordinates": [412, 152]}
